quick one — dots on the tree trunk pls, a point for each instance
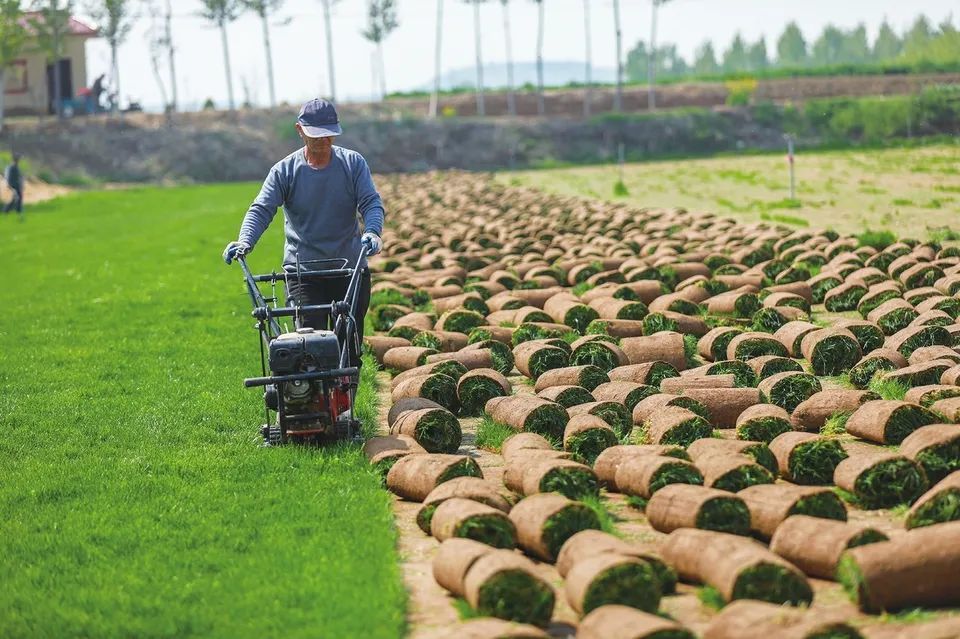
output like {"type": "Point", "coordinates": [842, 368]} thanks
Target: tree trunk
{"type": "Point", "coordinates": [2, 89]}
{"type": "Point", "coordinates": [588, 68]}
{"type": "Point", "coordinates": [437, 57]}
{"type": "Point", "coordinates": [226, 64]}
{"type": "Point", "coordinates": [541, 109]}
{"type": "Point", "coordinates": [57, 92]}
{"type": "Point", "coordinates": [511, 94]}
{"type": "Point", "coordinates": [266, 47]}
{"type": "Point", "coordinates": [329, 28]}
{"type": "Point", "coordinates": [618, 97]}
{"type": "Point", "coordinates": [173, 68]}
{"type": "Point", "coordinates": [652, 58]}
{"type": "Point", "coordinates": [476, 37]}
{"type": "Point", "coordinates": [383, 72]}
{"type": "Point", "coordinates": [115, 70]}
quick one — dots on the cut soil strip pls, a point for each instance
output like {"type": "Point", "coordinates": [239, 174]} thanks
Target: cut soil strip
{"type": "Point", "coordinates": [747, 619]}
{"type": "Point", "coordinates": [623, 622]}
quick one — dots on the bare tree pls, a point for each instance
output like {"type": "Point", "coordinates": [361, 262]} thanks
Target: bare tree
{"type": "Point", "coordinates": [114, 19]}
{"type": "Point", "coordinates": [168, 42]}
{"type": "Point", "coordinates": [264, 8]}
{"type": "Point", "coordinates": [221, 13]}
{"type": "Point", "coordinates": [476, 38]}
{"type": "Point", "coordinates": [652, 57]}
{"type": "Point", "coordinates": [588, 64]}
{"type": "Point", "coordinates": [435, 96]}
{"type": "Point", "coordinates": [381, 20]}
{"type": "Point", "coordinates": [156, 43]}
{"type": "Point", "coordinates": [540, 105]}
{"type": "Point", "coordinates": [511, 94]}
{"type": "Point", "coordinates": [618, 97]}
{"type": "Point", "coordinates": [51, 24]}
{"type": "Point", "coordinates": [12, 38]}
{"type": "Point", "coordinates": [328, 26]}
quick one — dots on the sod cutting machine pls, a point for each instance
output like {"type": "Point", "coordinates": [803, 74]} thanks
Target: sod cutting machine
{"type": "Point", "coordinates": [310, 385]}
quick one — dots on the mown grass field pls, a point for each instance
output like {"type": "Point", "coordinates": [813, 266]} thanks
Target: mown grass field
{"type": "Point", "coordinates": [135, 500]}
{"type": "Point", "coordinates": [914, 192]}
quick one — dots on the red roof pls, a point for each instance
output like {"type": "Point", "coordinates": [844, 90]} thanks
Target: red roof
{"type": "Point", "coordinates": [77, 27]}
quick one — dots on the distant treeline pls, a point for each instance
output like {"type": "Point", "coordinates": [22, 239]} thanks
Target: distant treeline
{"type": "Point", "coordinates": [921, 48]}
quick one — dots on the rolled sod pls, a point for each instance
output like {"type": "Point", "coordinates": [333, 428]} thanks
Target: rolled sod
{"type": "Point", "coordinates": [452, 368]}
{"type": "Point", "coordinates": [923, 274]}
{"type": "Point", "coordinates": [615, 328]}
{"type": "Point", "coordinates": [501, 354]}
{"type": "Point", "coordinates": [608, 462]}
{"type": "Point", "coordinates": [876, 296]}
{"type": "Point", "coordinates": [436, 429]}
{"type": "Point", "coordinates": [587, 376]}
{"type": "Point", "coordinates": [443, 341]}
{"type": "Point", "coordinates": [408, 404]}
{"type": "Point", "coordinates": [380, 344]}
{"type": "Point", "coordinates": [479, 386]}
{"type": "Point", "coordinates": [769, 365]}
{"type": "Point", "coordinates": [936, 448]}
{"type": "Point", "coordinates": [747, 619]}
{"type": "Point", "coordinates": [533, 359]}
{"type": "Point", "coordinates": [611, 308]}
{"type": "Point", "coordinates": [917, 569]}
{"type": "Point", "coordinates": [469, 358]}
{"type": "Point", "coordinates": [453, 561]}
{"type": "Point", "coordinates": [822, 284]}
{"type": "Point", "coordinates": [814, 544]}
{"type": "Point", "coordinates": [649, 406]}
{"type": "Point", "coordinates": [530, 414]}
{"type": "Point", "coordinates": [649, 373]}
{"type": "Point", "coordinates": [914, 337]}
{"type": "Point", "coordinates": [743, 374]}
{"type": "Point", "coordinates": [930, 394]}
{"type": "Point", "coordinates": [586, 436]}
{"type": "Point", "coordinates": [757, 451]}
{"type": "Point", "coordinates": [893, 315]}
{"type": "Point", "coordinates": [676, 426]}
{"type": "Point", "coordinates": [474, 488]}
{"type": "Point", "coordinates": [929, 353]}
{"type": "Point", "coordinates": [868, 334]}
{"type": "Point", "coordinates": [665, 346]}
{"type": "Point", "coordinates": [458, 517]}
{"type": "Point", "coordinates": [807, 459]}
{"type": "Point", "coordinates": [436, 387]}
{"type": "Point", "coordinates": [812, 413]}
{"type": "Point", "coordinates": [564, 476]}
{"type": "Point", "coordinates": [404, 358]}
{"type": "Point", "coordinates": [770, 320]}
{"type": "Point", "coordinates": [529, 331]}
{"type": "Point", "coordinates": [545, 521]}
{"type": "Point", "coordinates": [724, 405]}
{"type": "Point", "coordinates": [881, 479]}
{"type": "Point", "coordinates": [624, 622]}
{"type": "Point", "coordinates": [502, 334]}
{"type": "Point", "coordinates": [733, 303]}
{"type": "Point", "coordinates": [732, 473]}
{"type": "Point", "coordinates": [737, 567]}
{"type": "Point", "coordinates": [644, 475]}
{"type": "Point", "coordinates": [791, 336]}
{"type": "Point", "coordinates": [487, 627]}
{"type": "Point", "coordinates": [677, 385]}
{"type": "Point", "coordinates": [570, 311]}
{"type": "Point", "coordinates": [591, 543]}
{"type": "Point", "coordinates": [600, 354]}
{"type": "Point", "coordinates": [925, 374]}
{"type": "Point", "coordinates": [878, 360]}
{"type": "Point", "coordinates": [713, 345]}
{"type": "Point", "coordinates": [459, 321]}
{"type": "Point", "coordinates": [762, 423]}
{"type": "Point", "coordinates": [627, 393]}
{"type": "Point", "coordinates": [567, 396]}
{"type": "Point", "coordinates": [413, 477]}
{"type": "Point", "coordinates": [831, 351]}
{"type": "Point", "coordinates": [888, 421]}
{"type": "Point", "coordinates": [612, 579]}
{"type": "Point", "coordinates": [523, 460]}
{"type": "Point", "coordinates": [938, 505]}
{"type": "Point", "coordinates": [695, 506]}
{"type": "Point", "coordinates": [949, 305]}
{"type": "Point", "coordinates": [520, 442]}
{"type": "Point", "coordinates": [614, 414]}
{"type": "Point", "coordinates": [754, 344]}
{"type": "Point", "coordinates": [844, 297]}
{"type": "Point", "coordinates": [418, 321]}
{"type": "Point", "coordinates": [384, 315]}
{"type": "Point", "coordinates": [771, 504]}
{"type": "Point", "coordinates": [951, 376]}
{"type": "Point", "coordinates": [788, 390]}
{"type": "Point", "coordinates": [506, 585]}
{"type": "Point", "coordinates": [383, 452]}
{"type": "Point", "coordinates": [472, 301]}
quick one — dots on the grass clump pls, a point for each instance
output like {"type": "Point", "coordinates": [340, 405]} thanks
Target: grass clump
{"type": "Point", "coordinates": [595, 354]}
{"type": "Point", "coordinates": [629, 584]}
{"type": "Point", "coordinates": [743, 477]}
{"type": "Point", "coordinates": [790, 391]}
{"type": "Point", "coordinates": [812, 463]}
{"type": "Point", "coordinates": [516, 595]}
{"type": "Point", "coordinates": [774, 584]}
{"type": "Point", "coordinates": [475, 392]}
{"type": "Point", "coordinates": [491, 434]}
{"type": "Point", "coordinates": [724, 514]}
{"type": "Point", "coordinates": [834, 355]}
{"type": "Point", "coordinates": [572, 483]}
{"type": "Point", "coordinates": [836, 424]}
{"type": "Point", "coordinates": [587, 445]}
{"type": "Point", "coordinates": [890, 483]}
{"type": "Point", "coordinates": [944, 507]}
{"type": "Point", "coordinates": [890, 389]}
{"type": "Point", "coordinates": [564, 524]}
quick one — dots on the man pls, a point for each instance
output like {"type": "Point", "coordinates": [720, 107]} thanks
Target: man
{"type": "Point", "coordinates": [321, 188]}
{"type": "Point", "coordinates": [14, 180]}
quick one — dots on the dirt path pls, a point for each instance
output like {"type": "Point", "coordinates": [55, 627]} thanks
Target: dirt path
{"type": "Point", "coordinates": [432, 612]}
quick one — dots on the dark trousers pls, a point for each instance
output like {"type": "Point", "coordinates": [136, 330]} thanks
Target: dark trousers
{"type": "Point", "coordinates": [16, 203]}
{"type": "Point", "coordinates": [332, 290]}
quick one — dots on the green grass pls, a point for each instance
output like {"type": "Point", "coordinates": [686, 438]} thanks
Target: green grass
{"type": "Point", "coordinates": [136, 501]}
{"type": "Point", "coordinates": [490, 434]}
{"type": "Point", "coordinates": [889, 389]}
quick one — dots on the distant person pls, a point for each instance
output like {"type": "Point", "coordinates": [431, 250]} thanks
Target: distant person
{"type": "Point", "coordinates": [14, 180]}
{"type": "Point", "coordinates": [97, 91]}
{"type": "Point", "coordinates": [321, 188]}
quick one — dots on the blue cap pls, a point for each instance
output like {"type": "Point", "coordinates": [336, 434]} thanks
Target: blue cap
{"type": "Point", "coordinates": [318, 119]}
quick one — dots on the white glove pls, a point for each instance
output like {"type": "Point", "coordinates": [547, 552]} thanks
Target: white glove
{"type": "Point", "coordinates": [235, 250]}
{"type": "Point", "coordinates": [373, 243]}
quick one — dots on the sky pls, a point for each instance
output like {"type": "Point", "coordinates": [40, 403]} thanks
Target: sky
{"type": "Point", "coordinates": [299, 48]}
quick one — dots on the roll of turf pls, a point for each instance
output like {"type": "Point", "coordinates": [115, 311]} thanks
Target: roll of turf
{"type": "Point", "coordinates": [529, 414]}
{"type": "Point", "coordinates": [694, 506]}
{"type": "Point", "coordinates": [436, 387]}
{"type": "Point", "coordinates": [788, 390]}
{"type": "Point", "coordinates": [567, 396]}
{"type": "Point", "coordinates": [586, 436]}
{"type": "Point", "coordinates": [747, 619]}
{"type": "Point", "coordinates": [613, 413]}
{"type": "Point", "coordinates": [564, 476]}
{"type": "Point", "coordinates": [458, 517]}
{"type": "Point", "coordinates": [600, 354]}
{"type": "Point", "coordinates": [762, 423]}
{"type": "Point", "coordinates": [732, 473]}
{"type": "Point", "coordinates": [812, 413]}
{"type": "Point", "coordinates": [936, 448]}
{"type": "Point", "coordinates": [771, 504]}
{"type": "Point", "coordinates": [831, 351]}
{"type": "Point", "coordinates": [612, 579]}
{"type": "Point", "coordinates": [608, 462]}
{"type": "Point", "coordinates": [506, 585]}
{"type": "Point", "coordinates": [591, 543]}
{"type": "Point", "coordinates": [807, 459]}
{"type": "Point", "coordinates": [627, 393]}
{"type": "Point", "coordinates": [878, 360]}
{"type": "Point", "coordinates": [888, 421]}
{"type": "Point", "coordinates": [757, 451]}
{"type": "Point", "coordinates": [474, 488]}
{"type": "Point", "coordinates": [814, 545]}
{"type": "Point", "coordinates": [623, 622]}
{"type": "Point", "coordinates": [533, 359]}
{"type": "Point", "coordinates": [436, 429]}
{"type": "Point", "coordinates": [754, 344]}
{"type": "Point", "coordinates": [938, 505]}
{"type": "Point", "coordinates": [413, 477]}
{"type": "Point", "coordinates": [674, 425]}
{"type": "Point", "coordinates": [642, 476]}
{"type": "Point", "coordinates": [544, 522]}
{"type": "Point", "coordinates": [769, 365]}
{"type": "Point", "coordinates": [648, 373]}
{"type": "Point", "coordinates": [881, 479]}
{"type": "Point", "coordinates": [587, 376]}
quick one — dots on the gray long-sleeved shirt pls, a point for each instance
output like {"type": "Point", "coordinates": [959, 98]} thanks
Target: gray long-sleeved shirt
{"type": "Point", "coordinates": [320, 206]}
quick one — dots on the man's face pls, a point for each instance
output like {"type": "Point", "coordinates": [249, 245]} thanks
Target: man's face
{"type": "Point", "coordinates": [315, 145]}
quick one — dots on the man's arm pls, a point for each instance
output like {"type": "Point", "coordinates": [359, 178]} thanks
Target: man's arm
{"type": "Point", "coordinates": [263, 209]}
{"type": "Point", "coordinates": [368, 200]}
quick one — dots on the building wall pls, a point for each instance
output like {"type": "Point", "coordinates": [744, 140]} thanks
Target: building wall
{"type": "Point", "coordinates": [25, 86]}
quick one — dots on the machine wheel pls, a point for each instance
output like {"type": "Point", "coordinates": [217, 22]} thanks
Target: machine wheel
{"type": "Point", "coordinates": [271, 435]}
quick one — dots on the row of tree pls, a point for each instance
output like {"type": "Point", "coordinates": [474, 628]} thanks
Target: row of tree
{"type": "Point", "coordinates": [833, 47]}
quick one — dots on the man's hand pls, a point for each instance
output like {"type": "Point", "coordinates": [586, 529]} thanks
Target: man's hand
{"type": "Point", "coordinates": [235, 250]}
{"type": "Point", "coordinates": [373, 242]}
